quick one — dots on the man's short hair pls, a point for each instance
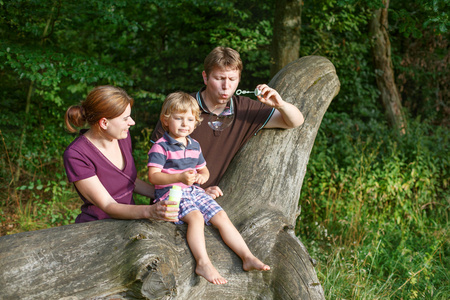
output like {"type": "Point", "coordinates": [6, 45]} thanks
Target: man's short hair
{"type": "Point", "coordinates": [223, 57]}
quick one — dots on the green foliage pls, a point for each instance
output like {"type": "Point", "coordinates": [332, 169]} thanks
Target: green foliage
{"type": "Point", "coordinates": [338, 31]}
{"type": "Point", "coordinates": [419, 40]}
{"type": "Point", "coordinates": [49, 205]}
{"type": "Point", "coordinates": [422, 14]}
{"type": "Point", "coordinates": [375, 210]}
{"type": "Point", "coordinates": [54, 52]}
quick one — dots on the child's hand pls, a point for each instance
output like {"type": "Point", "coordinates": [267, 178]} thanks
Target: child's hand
{"type": "Point", "coordinates": [188, 177]}
{"type": "Point", "coordinates": [201, 179]}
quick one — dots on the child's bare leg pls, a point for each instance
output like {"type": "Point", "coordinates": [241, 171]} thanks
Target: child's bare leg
{"type": "Point", "coordinates": [196, 241]}
{"type": "Point", "coordinates": [234, 240]}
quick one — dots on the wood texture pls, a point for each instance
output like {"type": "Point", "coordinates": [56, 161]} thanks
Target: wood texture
{"type": "Point", "coordinates": [114, 259]}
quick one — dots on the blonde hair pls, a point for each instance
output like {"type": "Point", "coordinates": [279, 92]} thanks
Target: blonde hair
{"type": "Point", "coordinates": [102, 102]}
{"type": "Point", "coordinates": [179, 102]}
{"type": "Point", "coordinates": [223, 57]}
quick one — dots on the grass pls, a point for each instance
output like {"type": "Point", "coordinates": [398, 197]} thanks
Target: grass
{"type": "Point", "coordinates": [375, 212]}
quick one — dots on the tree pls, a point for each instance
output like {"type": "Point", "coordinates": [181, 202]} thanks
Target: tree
{"type": "Point", "coordinates": [142, 259]}
{"type": "Point", "coordinates": [384, 70]}
{"type": "Point", "coordinates": [286, 34]}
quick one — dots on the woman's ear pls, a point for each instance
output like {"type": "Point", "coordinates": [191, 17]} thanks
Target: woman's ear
{"type": "Point", "coordinates": [103, 123]}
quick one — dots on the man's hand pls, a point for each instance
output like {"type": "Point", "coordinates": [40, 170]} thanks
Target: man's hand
{"type": "Point", "coordinates": [286, 115]}
{"type": "Point", "coordinates": [214, 191]}
{"type": "Point", "coordinates": [270, 97]}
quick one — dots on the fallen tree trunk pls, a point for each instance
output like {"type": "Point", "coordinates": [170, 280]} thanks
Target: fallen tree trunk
{"type": "Point", "coordinates": [114, 259]}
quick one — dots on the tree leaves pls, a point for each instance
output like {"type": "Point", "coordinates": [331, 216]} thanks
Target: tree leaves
{"type": "Point", "coordinates": [47, 68]}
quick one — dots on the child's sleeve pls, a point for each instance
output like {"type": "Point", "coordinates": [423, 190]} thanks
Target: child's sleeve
{"type": "Point", "coordinates": [157, 157]}
{"type": "Point", "coordinates": [201, 161]}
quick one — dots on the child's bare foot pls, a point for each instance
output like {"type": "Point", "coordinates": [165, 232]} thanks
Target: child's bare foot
{"type": "Point", "coordinates": [253, 263]}
{"type": "Point", "coordinates": [210, 273]}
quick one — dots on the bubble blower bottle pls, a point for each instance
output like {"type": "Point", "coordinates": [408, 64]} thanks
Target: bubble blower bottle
{"type": "Point", "coordinates": [175, 195]}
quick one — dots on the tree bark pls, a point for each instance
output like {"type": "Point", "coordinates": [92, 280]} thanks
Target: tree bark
{"type": "Point", "coordinates": [384, 70]}
{"type": "Point", "coordinates": [286, 34]}
{"type": "Point", "coordinates": [118, 259]}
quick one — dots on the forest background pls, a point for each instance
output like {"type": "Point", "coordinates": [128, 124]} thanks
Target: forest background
{"type": "Point", "coordinates": [375, 202]}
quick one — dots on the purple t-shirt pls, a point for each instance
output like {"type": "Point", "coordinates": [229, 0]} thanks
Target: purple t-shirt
{"type": "Point", "coordinates": [83, 160]}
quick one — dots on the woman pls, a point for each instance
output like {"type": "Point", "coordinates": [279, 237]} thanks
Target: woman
{"type": "Point", "coordinates": [100, 163]}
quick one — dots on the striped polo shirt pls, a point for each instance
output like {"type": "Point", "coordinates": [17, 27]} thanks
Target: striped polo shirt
{"type": "Point", "coordinates": [172, 157]}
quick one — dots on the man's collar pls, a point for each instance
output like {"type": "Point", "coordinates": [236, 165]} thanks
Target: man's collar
{"type": "Point", "coordinates": [228, 110]}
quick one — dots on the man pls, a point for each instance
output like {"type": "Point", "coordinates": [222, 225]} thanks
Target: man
{"type": "Point", "coordinates": [229, 121]}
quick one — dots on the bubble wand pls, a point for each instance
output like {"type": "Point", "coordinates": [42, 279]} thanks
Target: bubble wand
{"type": "Point", "coordinates": [243, 92]}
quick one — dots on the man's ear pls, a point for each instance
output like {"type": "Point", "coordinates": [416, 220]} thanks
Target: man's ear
{"type": "Point", "coordinates": [205, 78]}
{"type": "Point", "coordinates": [103, 123]}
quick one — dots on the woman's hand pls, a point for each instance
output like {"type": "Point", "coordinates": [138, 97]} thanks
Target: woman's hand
{"type": "Point", "coordinates": [161, 212]}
